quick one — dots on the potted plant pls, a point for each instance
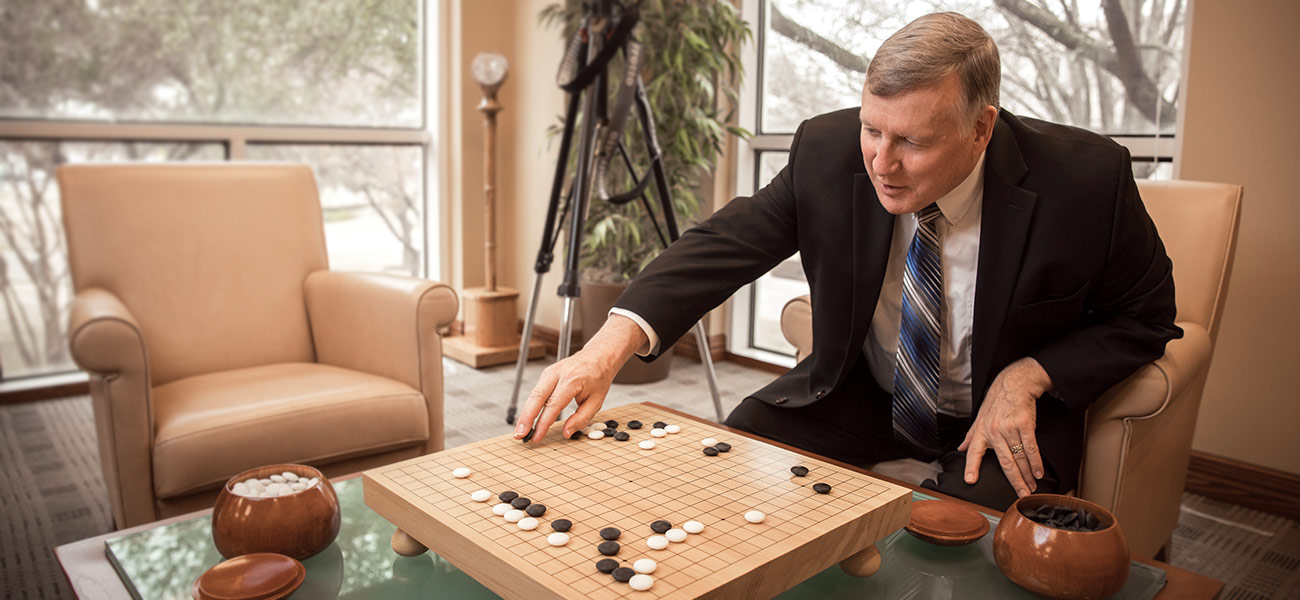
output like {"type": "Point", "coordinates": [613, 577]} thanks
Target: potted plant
{"type": "Point", "coordinates": [692, 75]}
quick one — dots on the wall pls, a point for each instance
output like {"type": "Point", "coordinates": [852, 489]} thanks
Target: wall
{"type": "Point", "coordinates": [1241, 127]}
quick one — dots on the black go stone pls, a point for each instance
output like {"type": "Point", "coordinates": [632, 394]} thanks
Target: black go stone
{"type": "Point", "coordinates": [612, 424]}
{"type": "Point", "coordinates": [561, 524]}
{"type": "Point", "coordinates": [520, 503]}
{"type": "Point", "coordinates": [723, 447]}
{"type": "Point", "coordinates": [576, 435]}
{"type": "Point", "coordinates": [799, 471]}
{"type": "Point", "coordinates": [622, 436]}
{"type": "Point", "coordinates": [529, 436]}
{"type": "Point", "coordinates": [609, 548]}
{"type": "Point", "coordinates": [660, 526]}
{"type": "Point", "coordinates": [536, 510]}
{"type": "Point", "coordinates": [710, 451]}
{"type": "Point", "coordinates": [507, 496]}
{"type": "Point", "coordinates": [633, 424]}
{"type": "Point", "coordinates": [606, 565]}
{"type": "Point", "coordinates": [623, 574]}
{"type": "Point", "coordinates": [660, 425]}
{"type": "Point", "coordinates": [610, 431]}
{"type": "Point", "coordinates": [822, 488]}
{"type": "Point", "coordinates": [610, 533]}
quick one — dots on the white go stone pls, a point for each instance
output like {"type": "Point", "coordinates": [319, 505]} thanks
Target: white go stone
{"type": "Point", "coordinates": [675, 535]}
{"type": "Point", "coordinates": [672, 429]}
{"type": "Point", "coordinates": [289, 476]}
{"type": "Point", "coordinates": [240, 488]}
{"type": "Point", "coordinates": [558, 538]}
{"type": "Point", "coordinates": [277, 478]}
{"type": "Point", "coordinates": [657, 542]}
{"type": "Point", "coordinates": [314, 481]}
{"type": "Point", "coordinates": [266, 481]}
{"type": "Point", "coordinates": [693, 526]}
{"type": "Point", "coordinates": [641, 583]}
{"type": "Point", "coordinates": [514, 516]}
{"type": "Point", "coordinates": [595, 434]}
{"type": "Point", "coordinates": [285, 491]}
{"type": "Point", "coordinates": [298, 486]}
{"type": "Point", "coordinates": [645, 565]}
{"type": "Point", "coordinates": [501, 509]}
{"type": "Point", "coordinates": [460, 472]}
{"type": "Point", "coordinates": [658, 432]}
{"type": "Point", "coordinates": [647, 444]}
{"type": "Point", "coordinates": [754, 516]}
{"type": "Point", "coordinates": [481, 495]}
{"type": "Point", "coordinates": [528, 523]}
{"type": "Point", "coordinates": [708, 442]}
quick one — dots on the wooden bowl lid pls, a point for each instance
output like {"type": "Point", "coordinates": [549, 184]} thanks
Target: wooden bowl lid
{"type": "Point", "coordinates": [262, 576]}
{"type": "Point", "coordinates": [946, 523]}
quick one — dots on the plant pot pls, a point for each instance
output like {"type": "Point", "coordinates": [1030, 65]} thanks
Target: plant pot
{"type": "Point", "coordinates": [593, 307]}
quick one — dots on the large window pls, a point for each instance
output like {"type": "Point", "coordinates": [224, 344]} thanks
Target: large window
{"type": "Point", "coordinates": [336, 84]}
{"type": "Point", "coordinates": [1112, 67]}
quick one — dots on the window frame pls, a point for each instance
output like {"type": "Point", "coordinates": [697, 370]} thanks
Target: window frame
{"type": "Point", "coordinates": [235, 138]}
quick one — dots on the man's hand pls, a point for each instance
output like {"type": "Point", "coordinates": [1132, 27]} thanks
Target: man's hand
{"type": "Point", "coordinates": [584, 377]}
{"type": "Point", "coordinates": [1006, 422]}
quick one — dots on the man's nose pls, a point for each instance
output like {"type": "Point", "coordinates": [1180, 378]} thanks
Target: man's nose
{"type": "Point", "coordinates": [886, 159]}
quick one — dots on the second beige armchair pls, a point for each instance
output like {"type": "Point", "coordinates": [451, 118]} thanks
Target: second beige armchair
{"type": "Point", "coordinates": [217, 340]}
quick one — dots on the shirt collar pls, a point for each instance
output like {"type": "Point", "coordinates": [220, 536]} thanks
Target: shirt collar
{"type": "Point", "coordinates": [958, 202]}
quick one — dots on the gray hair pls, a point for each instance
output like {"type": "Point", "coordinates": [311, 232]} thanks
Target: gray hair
{"type": "Point", "coordinates": [928, 49]}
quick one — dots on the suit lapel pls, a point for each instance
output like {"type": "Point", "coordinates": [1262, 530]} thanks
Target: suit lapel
{"type": "Point", "coordinates": [873, 230]}
{"type": "Point", "coordinates": [1007, 212]}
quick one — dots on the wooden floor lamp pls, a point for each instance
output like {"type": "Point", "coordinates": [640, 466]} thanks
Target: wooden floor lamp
{"type": "Point", "coordinates": [491, 321]}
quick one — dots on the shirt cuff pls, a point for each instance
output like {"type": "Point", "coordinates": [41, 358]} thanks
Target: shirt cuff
{"type": "Point", "coordinates": [653, 345]}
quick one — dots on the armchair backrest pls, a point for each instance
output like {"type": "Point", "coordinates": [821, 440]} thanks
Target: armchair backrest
{"type": "Point", "coordinates": [209, 258]}
{"type": "Point", "coordinates": [1198, 223]}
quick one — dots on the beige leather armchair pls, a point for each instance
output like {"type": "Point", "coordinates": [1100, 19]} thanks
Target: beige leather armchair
{"type": "Point", "coordinates": [1139, 434]}
{"type": "Point", "coordinates": [217, 340]}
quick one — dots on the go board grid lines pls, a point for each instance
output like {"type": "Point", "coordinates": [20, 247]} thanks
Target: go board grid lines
{"type": "Point", "coordinates": [603, 483]}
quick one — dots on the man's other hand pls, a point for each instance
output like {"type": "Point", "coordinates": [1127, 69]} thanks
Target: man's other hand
{"type": "Point", "coordinates": [584, 377]}
{"type": "Point", "coordinates": [1005, 424]}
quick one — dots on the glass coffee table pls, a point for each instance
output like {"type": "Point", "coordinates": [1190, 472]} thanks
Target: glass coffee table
{"type": "Point", "coordinates": [162, 560]}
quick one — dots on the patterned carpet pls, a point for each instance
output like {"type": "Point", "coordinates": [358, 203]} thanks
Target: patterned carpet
{"type": "Point", "coordinates": [52, 492]}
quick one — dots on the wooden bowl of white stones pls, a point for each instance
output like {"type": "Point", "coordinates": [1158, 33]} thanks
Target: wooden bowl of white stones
{"type": "Point", "coordinates": [284, 509]}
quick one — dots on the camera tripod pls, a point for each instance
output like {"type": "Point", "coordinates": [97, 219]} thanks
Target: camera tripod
{"type": "Point", "coordinates": [584, 76]}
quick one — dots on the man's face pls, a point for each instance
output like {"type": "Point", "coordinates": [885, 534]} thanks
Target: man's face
{"type": "Point", "coordinates": [917, 145]}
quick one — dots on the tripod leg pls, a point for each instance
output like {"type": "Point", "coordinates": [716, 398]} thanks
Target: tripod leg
{"type": "Point", "coordinates": [566, 330]}
{"type": "Point", "coordinates": [523, 351]}
{"type": "Point", "coordinates": [706, 357]}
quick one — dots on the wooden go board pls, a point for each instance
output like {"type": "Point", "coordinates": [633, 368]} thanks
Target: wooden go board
{"type": "Point", "coordinates": [609, 483]}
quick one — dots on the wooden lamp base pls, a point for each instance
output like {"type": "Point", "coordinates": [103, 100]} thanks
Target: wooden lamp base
{"type": "Point", "coordinates": [490, 336]}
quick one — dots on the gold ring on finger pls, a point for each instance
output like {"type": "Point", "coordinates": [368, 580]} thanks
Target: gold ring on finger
{"type": "Point", "coordinates": [1017, 449]}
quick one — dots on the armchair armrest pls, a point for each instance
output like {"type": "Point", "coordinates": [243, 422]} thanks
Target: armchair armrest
{"type": "Point", "coordinates": [1147, 391]}
{"type": "Point", "coordinates": [106, 341]}
{"type": "Point", "coordinates": [796, 325]}
{"type": "Point", "coordinates": [385, 325]}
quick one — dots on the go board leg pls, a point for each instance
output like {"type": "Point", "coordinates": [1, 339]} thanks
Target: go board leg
{"type": "Point", "coordinates": [406, 545]}
{"type": "Point", "coordinates": [862, 564]}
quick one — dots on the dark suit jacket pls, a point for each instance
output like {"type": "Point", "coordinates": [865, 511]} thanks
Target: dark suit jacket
{"type": "Point", "coordinates": [1071, 269]}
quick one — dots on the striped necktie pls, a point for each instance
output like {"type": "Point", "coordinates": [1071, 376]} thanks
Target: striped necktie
{"type": "Point", "coordinates": [916, 374]}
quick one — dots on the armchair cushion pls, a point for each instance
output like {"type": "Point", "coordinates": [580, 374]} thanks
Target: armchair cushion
{"type": "Point", "coordinates": [210, 426]}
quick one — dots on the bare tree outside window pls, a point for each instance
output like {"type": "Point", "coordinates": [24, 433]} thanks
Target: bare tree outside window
{"type": "Point", "coordinates": [340, 64]}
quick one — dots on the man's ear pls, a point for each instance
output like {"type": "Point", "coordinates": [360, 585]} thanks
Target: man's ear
{"type": "Point", "coordinates": [988, 116]}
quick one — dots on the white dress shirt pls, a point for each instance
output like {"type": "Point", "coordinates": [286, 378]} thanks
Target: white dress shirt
{"type": "Point", "coordinates": [959, 236]}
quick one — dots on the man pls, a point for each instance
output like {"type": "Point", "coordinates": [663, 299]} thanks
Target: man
{"type": "Point", "coordinates": [977, 280]}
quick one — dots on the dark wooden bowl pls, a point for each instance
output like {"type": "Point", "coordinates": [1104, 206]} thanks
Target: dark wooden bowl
{"type": "Point", "coordinates": [299, 525]}
{"type": "Point", "coordinates": [1059, 563]}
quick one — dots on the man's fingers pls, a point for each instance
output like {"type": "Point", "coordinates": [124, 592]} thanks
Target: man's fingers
{"type": "Point", "coordinates": [560, 398]}
{"type": "Point", "coordinates": [587, 410]}
{"type": "Point", "coordinates": [533, 406]}
{"type": "Point", "coordinates": [1011, 469]}
{"type": "Point", "coordinates": [1031, 452]}
{"type": "Point", "coordinates": [974, 456]}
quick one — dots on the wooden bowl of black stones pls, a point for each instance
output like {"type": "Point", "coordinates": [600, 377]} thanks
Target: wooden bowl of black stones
{"type": "Point", "coordinates": [1062, 547]}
